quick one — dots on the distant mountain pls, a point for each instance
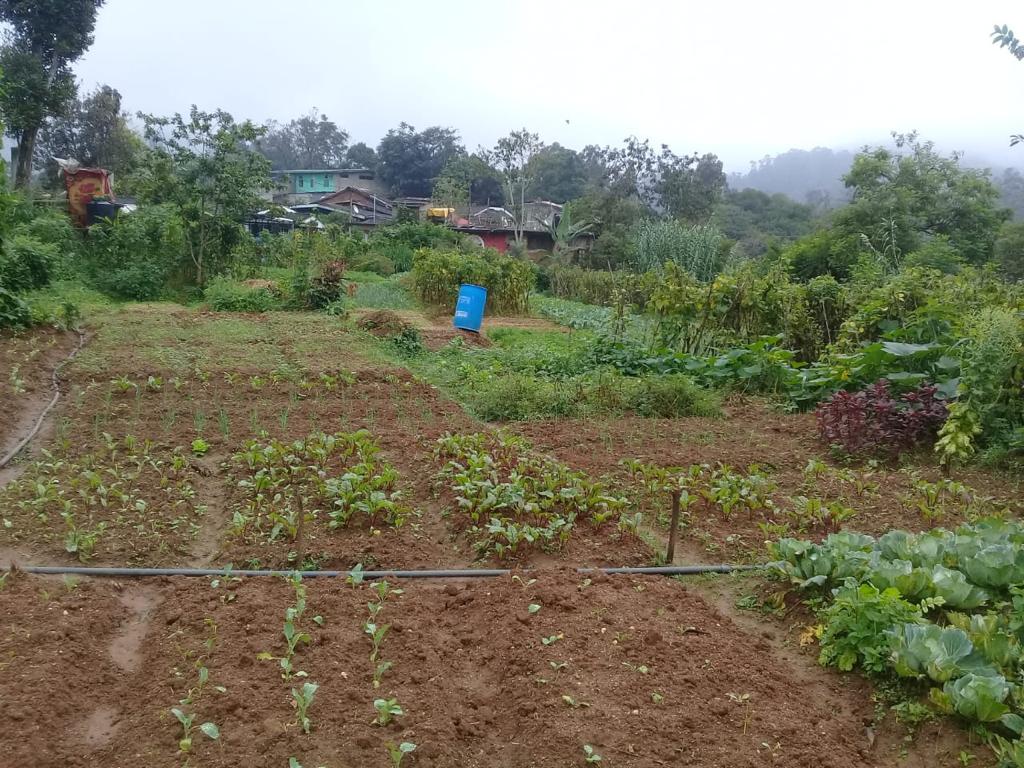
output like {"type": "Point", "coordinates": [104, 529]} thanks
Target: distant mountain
{"type": "Point", "coordinates": [809, 176]}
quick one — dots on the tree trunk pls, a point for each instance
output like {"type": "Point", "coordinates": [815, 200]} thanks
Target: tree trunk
{"type": "Point", "coordinates": [26, 149]}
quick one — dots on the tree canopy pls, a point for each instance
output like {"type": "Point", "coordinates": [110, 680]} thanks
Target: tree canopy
{"type": "Point", "coordinates": [410, 161]}
{"type": "Point", "coordinates": [905, 195]}
{"type": "Point", "coordinates": [45, 37]}
{"type": "Point", "coordinates": [310, 141]}
{"type": "Point", "coordinates": [93, 131]}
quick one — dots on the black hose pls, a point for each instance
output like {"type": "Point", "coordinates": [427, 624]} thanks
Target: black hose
{"type": "Point", "coordinates": [452, 573]}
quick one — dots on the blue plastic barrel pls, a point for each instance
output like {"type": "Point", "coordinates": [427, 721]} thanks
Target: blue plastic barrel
{"type": "Point", "coordinates": [469, 310]}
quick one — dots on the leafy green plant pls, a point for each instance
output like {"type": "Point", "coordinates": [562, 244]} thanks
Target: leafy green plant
{"type": "Point", "coordinates": [398, 752]}
{"type": "Point", "coordinates": [387, 710]}
{"type": "Point", "coordinates": [302, 699]}
{"type": "Point", "coordinates": [208, 729]}
{"type": "Point", "coordinates": [590, 755]}
{"type": "Point", "coordinates": [855, 625]}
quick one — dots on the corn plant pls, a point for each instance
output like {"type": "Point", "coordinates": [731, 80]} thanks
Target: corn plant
{"type": "Point", "coordinates": [302, 699]}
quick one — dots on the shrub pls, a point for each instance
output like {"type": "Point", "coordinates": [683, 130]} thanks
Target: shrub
{"type": "Point", "coordinates": [26, 263]}
{"type": "Point", "coordinates": [14, 313]}
{"type": "Point", "coordinates": [670, 395]}
{"type": "Point", "coordinates": [327, 286]}
{"type": "Point", "coordinates": [873, 421]}
{"type": "Point", "coordinates": [225, 295]}
{"type": "Point", "coordinates": [134, 255]}
{"type": "Point", "coordinates": [438, 274]}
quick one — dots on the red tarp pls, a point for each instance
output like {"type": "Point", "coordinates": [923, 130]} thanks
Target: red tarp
{"type": "Point", "coordinates": [83, 185]}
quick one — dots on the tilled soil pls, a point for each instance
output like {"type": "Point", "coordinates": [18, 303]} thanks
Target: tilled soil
{"type": "Point", "coordinates": [27, 360]}
{"type": "Point", "coordinates": [750, 433]}
{"type": "Point", "coordinates": [642, 669]}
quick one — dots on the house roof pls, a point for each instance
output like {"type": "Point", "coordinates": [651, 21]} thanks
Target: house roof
{"type": "Point", "coordinates": [331, 196]}
{"type": "Point", "coordinates": [321, 170]}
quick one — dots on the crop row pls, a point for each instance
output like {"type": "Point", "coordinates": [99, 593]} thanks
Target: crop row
{"type": "Point", "coordinates": [943, 608]}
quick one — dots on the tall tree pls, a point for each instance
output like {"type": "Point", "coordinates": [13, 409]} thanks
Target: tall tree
{"type": "Point", "coordinates": [310, 141]}
{"type": "Point", "coordinates": [360, 155]}
{"type": "Point", "coordinates": [511, 157]}
{"type": "Point", "coordinates": [469, 179]}
{"type": "Point", "coordinates": [205, 167]}
{"type": "Point", "coordinates": [410, 162]}
{"type": "Point", "coordinates": [689, 186]}
{"type": "Point", "coordinates": [558, 173]}
{"type": "Point", "coordinates": [46, 36]}
{"type": "Point", "coordinates": [904, 196]}
{"type": "Point", "coordinates": [94, 131]}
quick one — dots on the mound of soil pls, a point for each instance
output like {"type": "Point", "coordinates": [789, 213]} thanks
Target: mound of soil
{"type": "Point", "coordinates": [383, 323]}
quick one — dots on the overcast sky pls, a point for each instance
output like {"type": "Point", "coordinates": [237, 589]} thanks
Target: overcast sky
{"type": "Point", "coordinates": [741, 79]}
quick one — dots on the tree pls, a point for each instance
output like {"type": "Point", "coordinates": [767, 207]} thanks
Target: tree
{"type": "Point", "coordinates": [310, 141]}
{"type": "Point", "coordinates": [615, 221]}
{"type": "Point", "coordinates": [409, 162]}
{"type": "Point", "coordinates": [1009, 250]}
{"type": "Point", "coordinates": [558, 174]}
{"type": "Point", "coordinates": [905, 195]}
{"type": "Point", "coordinates": [469, 179]}
{"type": "Point", "coordinates": [755, 219]}
{"type": "Point", "coordinates": [204, 165]}
{"type": "Point", "coordinates": [94, 131]}
{"type": "Point", "coordinates": [688, 187]}
{"type": "Point", "coordinates": [46, 36]}
{"type": "Point", "coordinates": [511, 157]}
{"type": "Point", "coordinates": [360, 155]}
{"type": "Point", "coordinates": [1011, 191]}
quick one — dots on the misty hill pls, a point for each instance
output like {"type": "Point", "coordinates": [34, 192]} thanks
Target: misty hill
{"type": "Point", "coordinates": [812, 176]}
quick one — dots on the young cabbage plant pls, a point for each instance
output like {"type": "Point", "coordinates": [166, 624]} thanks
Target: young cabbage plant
{"type": "Point", "coordinates": [185, 742]}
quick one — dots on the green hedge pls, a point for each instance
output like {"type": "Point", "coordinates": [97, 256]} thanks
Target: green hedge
{"type": "Point", "coordinates": [438, 274]}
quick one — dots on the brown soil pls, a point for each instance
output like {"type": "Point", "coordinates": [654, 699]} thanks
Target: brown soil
{"type": "Point", "coordinates": [750, 432]}
{"type": "Point", "coordinates": [470, 670]}
{"type": "Point", "coordinates": [477, 685]}
{"type": "Point", "coordinates": [27, 360]}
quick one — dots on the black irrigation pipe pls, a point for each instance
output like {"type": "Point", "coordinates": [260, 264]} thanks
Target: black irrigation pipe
{"type": "Point", "coordinates": [451, 573]}
{"type": "Point", "coordinates": [49, 407]}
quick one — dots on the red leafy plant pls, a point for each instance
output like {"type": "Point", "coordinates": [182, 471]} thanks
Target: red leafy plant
{"type": "Point", "coordinates": [876, 422]}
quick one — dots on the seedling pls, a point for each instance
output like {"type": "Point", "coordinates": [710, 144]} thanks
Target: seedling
{"type": "Point", "coordinates": [398, 752]}
{"type": "Point", "coordinates": [200, 447]}
{"type": "Point", "coordinates": [533, 608]}
{"type": "Point", "coordinates": [558, 666]}
{"type": "Point", "coordinates": [744, 699]}
{"type": "Point", "coordinates": [301, 700]}
{"type": "Point", "coordinates": [570, 701]}
{"type": "Point", "coordinates": [589, 755]}
{"type": "Point", "coordinates": [552, 639]}
{"type": "Point", "coordinates": [355, 576]}
{"type": "Point", "coordinates": [387, 710]}
{"type": "Point", "coordinates": [185, 742]}
{"type": "Point", "coordinates": [657, 698]}
{"type": "Point", "coordinates": [377, 635]}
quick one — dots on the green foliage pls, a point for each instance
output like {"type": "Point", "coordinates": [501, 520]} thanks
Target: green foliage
{"type": "Point", "coordinates": [855, 624]}
{"type": "Point", "coordinates": [438, 274]}
{"type": "Point", "coordinates": [26, 263]}
{"type": "Point", "coordinates": [134, 256]}
{"type": "Point", "coordinates": [695, 249]}
{"type": "Point", "coordinates": [223, 294]}
{"type": "Point", "coordinates": [511, 499]}
{"type": "Point", "coordinates": [202, 166]}
{"type": "Point", "coordinates": [1009, 250]}
{"type": "Point", "coordinates": [906, 195]}
{"type": "Point", "coordinates": [408, 160]}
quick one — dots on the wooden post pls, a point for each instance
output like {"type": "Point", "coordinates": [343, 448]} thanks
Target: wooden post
{"type": "Point", "coordinates": [670, 555]}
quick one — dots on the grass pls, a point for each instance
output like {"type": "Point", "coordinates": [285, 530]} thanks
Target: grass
{"type": "Point", "coordinates": [383, 294]}
{"type": "Point", "coordinates": [532, 374]}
